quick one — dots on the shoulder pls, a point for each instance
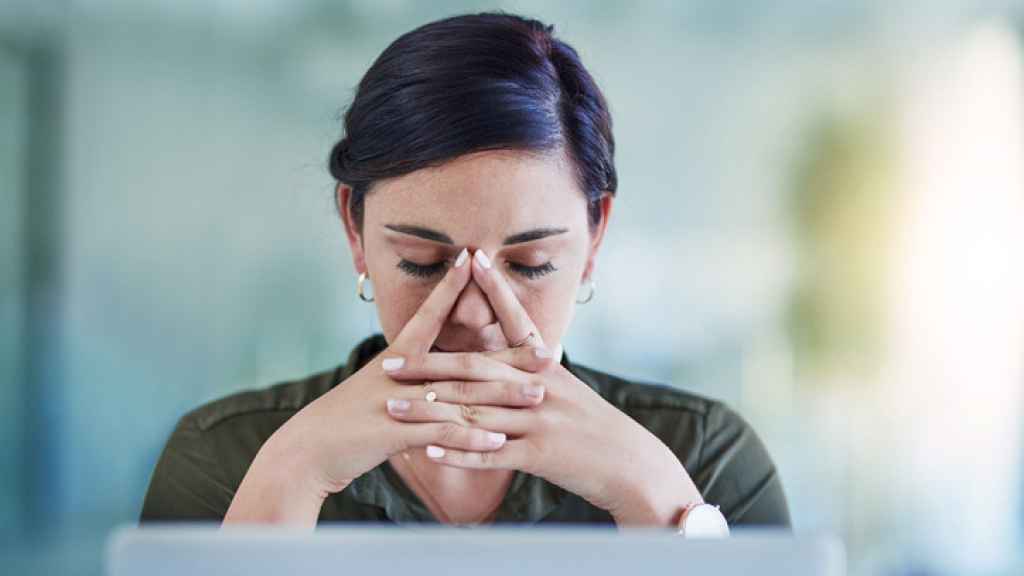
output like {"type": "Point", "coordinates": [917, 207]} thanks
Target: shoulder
{"type": "Point", "coordinates": [230, 430]}
{"type": "Point", "coordinates": [683, 419]}
{"type": "Point", "coordinates": [211, 447]}
{"type": "Point", "coordinates": [282, 397]}
{"type": "Point", "coordinates": [640, 396]}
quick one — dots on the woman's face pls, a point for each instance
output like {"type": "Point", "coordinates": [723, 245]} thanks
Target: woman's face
{"type": "Point", "coordinates": [525, 212]}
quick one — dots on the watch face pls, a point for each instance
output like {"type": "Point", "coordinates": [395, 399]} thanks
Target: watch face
{"type": "Point", "coordinates": [705, 521]}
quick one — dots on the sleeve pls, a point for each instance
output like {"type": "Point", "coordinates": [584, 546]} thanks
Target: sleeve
{"type": "Point", "coordinates": [736, 472]}
{"type": "Point", "coordinates": [187, 483]}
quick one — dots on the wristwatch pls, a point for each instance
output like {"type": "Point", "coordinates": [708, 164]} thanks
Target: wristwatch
{"type": "Point", "coordinates": [700, 520]}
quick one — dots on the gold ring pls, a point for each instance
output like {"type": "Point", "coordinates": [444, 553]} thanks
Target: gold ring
{"type": "Point", "coordinates": [523, 341]}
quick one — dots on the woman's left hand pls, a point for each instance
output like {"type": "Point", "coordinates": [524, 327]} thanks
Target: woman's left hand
{"type": "Point", "coordinates": [573, 437]}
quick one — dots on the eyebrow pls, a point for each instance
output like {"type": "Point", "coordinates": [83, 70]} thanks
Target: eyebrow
{"type": "Point", "coordinates": [435, 236]}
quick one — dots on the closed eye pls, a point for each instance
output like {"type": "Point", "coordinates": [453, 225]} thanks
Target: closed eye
{"type": "Point", "coordinates": [532, 272]}
{"type": "Point", "coordinates": [422, 270]}
{"type": "Point", "coordinates": [438, 268]}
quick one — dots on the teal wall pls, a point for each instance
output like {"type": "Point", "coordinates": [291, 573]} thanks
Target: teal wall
{"type": "Point", "coordinates": [167, 232]}
{"type": "Point", "coordinates": [13, 134]}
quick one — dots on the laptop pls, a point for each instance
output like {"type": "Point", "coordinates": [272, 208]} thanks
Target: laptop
{"type": "Point", "coordinates": [436, 549]}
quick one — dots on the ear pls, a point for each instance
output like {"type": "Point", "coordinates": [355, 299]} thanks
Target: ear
{"type": "Point", "coordinates": [598, 233]}
{"type": "Point", "coordinates": [355, 239]}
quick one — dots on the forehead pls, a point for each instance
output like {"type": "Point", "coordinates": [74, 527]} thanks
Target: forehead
{"type": "Point", "coordinates": [480, 195]}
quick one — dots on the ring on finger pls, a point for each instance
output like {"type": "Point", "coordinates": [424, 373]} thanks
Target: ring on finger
{"type": "Point", "coordinates": [524, 340]}
{"type": "Point", "coordinates": [429, 395]}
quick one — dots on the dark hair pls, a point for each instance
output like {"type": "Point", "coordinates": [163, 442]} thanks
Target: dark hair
{"type": "Point", "coordinates": [469, 83]}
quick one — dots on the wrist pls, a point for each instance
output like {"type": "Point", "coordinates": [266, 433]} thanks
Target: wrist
{"type": "Point", "coordinates": [659, 500]}
{"type": "Point", "coordinates": [664, 511]}
{"type": "Point", "coordinates": [278, 488]}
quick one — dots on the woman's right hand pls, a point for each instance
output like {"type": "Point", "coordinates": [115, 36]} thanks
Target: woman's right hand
{"type": "Point", "coordinates": [347, 431]}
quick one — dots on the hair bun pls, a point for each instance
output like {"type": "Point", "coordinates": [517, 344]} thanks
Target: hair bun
{"type": "Point", "coordinates": [341, 159]}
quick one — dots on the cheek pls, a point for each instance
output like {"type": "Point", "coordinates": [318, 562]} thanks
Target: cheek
{"type": "Point", "coordinates": [397, 298]}
{"type": "Point", "coordinates": [550, 306]}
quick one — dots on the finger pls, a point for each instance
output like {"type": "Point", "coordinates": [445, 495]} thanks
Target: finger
{"type": "Point", "coordinates": [514, 455]}
{"type": "Point", "coordinates": [514, 421]}
{"type": "Point", "coordinates": [419, 333]}
{"type": "Point", "coordinates": [451, 435]}
{"type": "Point", "coordinates": [512, 365]}
{"type": "Point", "coordinates": [527, 358]}
{"type": "Point", "coordinates": [515, 322]}
{"type": "Point", "coordinates": [487, 393]}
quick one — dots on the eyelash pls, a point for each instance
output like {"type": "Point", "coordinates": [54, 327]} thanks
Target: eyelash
{"type": "Point", "coordinates": [428, 270]}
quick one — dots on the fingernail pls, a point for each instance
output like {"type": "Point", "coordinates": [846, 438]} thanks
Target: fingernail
{"type": "Point", "coordinates": [496, 438]}
{"type": "Point", "coordinates": [435, 451]}
{"type": "Point", "coordinates": [533, 391]}
{"type": "Point", "coordinates": [398, 406]}
{"type": "Point", "coordinates": [482, 258]}
{"type": "Point", "coordinates": [392, 364]}
{"type": "Point", "coordinates": [541, 352]}
{"type": "Point", "coordinates": [462, 257]}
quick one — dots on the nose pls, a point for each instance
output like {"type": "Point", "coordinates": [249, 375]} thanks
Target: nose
{"type": "Point", "coordinates": [472, 309]}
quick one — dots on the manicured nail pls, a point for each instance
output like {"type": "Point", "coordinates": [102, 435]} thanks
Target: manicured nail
{"type": "Point", "coordinates": [392, 364]}
{"type": "Point", "coordinates": [398, 406]}
{"type": "Point", "coordinates": [533, 391]}
{"type": "Point", "coordinates": [462, 257]}
{"type": "Point", "coordinates": [541, 352]}
{"type": "Point", "coordinates": [435, 451]}
{"type": "Point", "coordinates": [482, 258]}
{"type": "Point", "coordinates": [496, 438]}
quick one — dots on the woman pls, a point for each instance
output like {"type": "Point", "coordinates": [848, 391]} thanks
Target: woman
{"type": "Point", "coordinates": [475, 183]}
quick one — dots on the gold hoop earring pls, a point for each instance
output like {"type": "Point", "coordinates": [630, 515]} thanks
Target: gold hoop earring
{"type": "Point", "coordinates": [359, 288]}
{"type": "Point", "coordinates": [590, 293]}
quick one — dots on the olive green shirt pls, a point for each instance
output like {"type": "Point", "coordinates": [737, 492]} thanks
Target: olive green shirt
{"type": "Point", "coordinates": [212, 446]}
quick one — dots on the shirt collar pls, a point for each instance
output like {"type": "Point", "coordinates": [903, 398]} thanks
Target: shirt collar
{"type": "Point", "coordinates": [528, 500]}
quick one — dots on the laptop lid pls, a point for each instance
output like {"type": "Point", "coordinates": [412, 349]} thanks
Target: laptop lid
{"type": "Point", "coordinates": [491, 550]}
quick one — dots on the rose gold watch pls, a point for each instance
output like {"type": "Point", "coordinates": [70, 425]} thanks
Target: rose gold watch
{"type": "Point", "coordinates": [700, 520]}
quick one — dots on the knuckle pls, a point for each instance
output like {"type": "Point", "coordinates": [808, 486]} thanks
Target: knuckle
{"type": "Point", "coordinates": [526, 358]}
{"type": "Point", "coordinates": [465, 362]}
{"type": "Point", "coordinates": [485, 458]}
{"type": "Point", "coordinates": [448, 433]}
{"type": "Point", "coordinates": [545, 421]}
{"type": "Point", "coordinates": [417, 362]}
{"type": "Point", "coordinates": [399, 440]}
{"type": "Point", "coordinates": [534, 383]}
{"type": "Point", "coordinates": [463, 390]}
{"type": "Point", "coordinates": [478, 439]}
{"type": "Point", "coordinates": [469, 413]}
{"type": "Point", "coordinates": [511, 393]}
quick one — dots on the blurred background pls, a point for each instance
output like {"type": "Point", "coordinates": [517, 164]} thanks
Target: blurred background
{"type": "Point", "coordinates": [820, 221]}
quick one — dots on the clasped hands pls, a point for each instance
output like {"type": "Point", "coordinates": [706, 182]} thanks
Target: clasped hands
{"type": "Point", "coordinates": [539, 417]}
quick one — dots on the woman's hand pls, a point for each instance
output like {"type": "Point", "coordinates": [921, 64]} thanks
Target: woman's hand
{"type": "Point", "coordinates": [347, 432]}
{"type": "Point", "coordinates": [574, 438]}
